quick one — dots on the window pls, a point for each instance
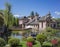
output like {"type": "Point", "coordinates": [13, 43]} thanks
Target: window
{"type": "Point", "coordinates": [54, 25]}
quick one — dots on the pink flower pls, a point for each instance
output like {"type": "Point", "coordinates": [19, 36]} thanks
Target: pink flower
{"type": "Point", "coordinates": [54, 41]}
{"type": "Point", "coordinates": [29, 44]}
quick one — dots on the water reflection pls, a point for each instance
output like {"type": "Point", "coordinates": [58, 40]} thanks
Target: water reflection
{"type": "Point", "coordinates": [17, 36]}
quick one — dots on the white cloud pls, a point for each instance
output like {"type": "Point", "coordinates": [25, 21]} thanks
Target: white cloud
{"type": "Point", "coordinates": [53, 17]}
{"type": "Point", "coordinates": [56, 12]}
{"type": "Point", "coordinates": [16, 15]}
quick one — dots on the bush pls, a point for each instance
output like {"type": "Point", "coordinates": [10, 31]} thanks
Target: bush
{"type": "Point", "coordinates": [30, 39]}
{"type": "Point", "coordinates": [14, 42]}
{"type": "Point", "coordinates": [24, 39]}
{"type": "Point", "coordinates": [48, 29]}
{"type": "Point", "coordinates": [2, 42]}
{"type": "Point", "coordinates": [41, 38]}
{"type": "Point", "coordinates": [46, 44]}
{"type": "Point", "coordinates": [59, 40]}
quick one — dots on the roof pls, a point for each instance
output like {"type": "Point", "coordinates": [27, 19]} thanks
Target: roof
{"type": "Point", "coordinates": [38, 19]}
{"type": "Point", "coordinates": [23, 18]}
{"type": "Point", "coordinates": [56, 20]}
{"type": "Point", "coordinates": [34, 21]}
{"type": "Point", "coordinates": [44, 18]}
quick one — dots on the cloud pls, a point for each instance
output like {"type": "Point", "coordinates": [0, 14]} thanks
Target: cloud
{"type": "Point", "coordinates": [16, 15]}
{"type": "Point", "coordinates": [56, 12]}
{"type": "Point", "coordinates": [53, 17]}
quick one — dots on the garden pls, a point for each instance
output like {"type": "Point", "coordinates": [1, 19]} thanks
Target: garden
{"type": "Point", "coordinates": [46, 38]}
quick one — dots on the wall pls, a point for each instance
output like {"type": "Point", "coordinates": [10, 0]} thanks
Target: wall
{"type": "Point", "coordinates": [40, 25]}
{"type": "Point", "coordinates": [20, 22]}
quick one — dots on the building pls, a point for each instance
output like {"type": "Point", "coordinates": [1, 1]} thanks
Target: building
{"type": "Point", "coordinates": [37, 23]}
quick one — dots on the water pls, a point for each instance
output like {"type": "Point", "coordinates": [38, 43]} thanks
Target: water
{"type": "Point", "coordinates": [17, 36]}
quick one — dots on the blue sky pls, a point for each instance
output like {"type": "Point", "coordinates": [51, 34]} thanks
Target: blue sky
{"type": "Point", "coordinates": [24, 7]}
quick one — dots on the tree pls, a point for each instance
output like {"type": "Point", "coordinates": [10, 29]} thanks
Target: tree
{"type": "Point", "coordinates": [2, 42]}
{"type": "Point", "coordinates": [16, 21]}
{"type": "Point", "coordinates": [7, 13]}
{"type": "Point", "coordinates": [36, 14]}
{"type": "Point", "coordinates": [41, 38]}
{"type": "Point", "coordinates": [32, 13]}
{"type": "Point", "coordinates": [8, 21]}
{"type": "Point", "coordinates": [8, 16]}
{"type": "Point", "coordinates": [6, 33]}
{"type": "Point", "coordinates": [1, 18]}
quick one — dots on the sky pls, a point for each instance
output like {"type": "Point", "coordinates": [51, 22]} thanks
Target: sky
{"type": "Point", "coordinates": [24, 7]}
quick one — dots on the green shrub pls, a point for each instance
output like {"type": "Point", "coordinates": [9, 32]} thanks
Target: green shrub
{"type": "Point", "coordinates": [58, 42]}
{"type": "Point", "coordinates": [30, 39]}
{"type": "Point", "coordinates": [24, 39]}
{"type": "Point", "coordinates": [41, 38]}
{"type": "Point", "coordinates": [46, 44]}
{"type": "Point", "coordinates": [53, 31]}
{"type": "Point", "coordinates": [14, 42]}
{"type": "Point", "coordinates": [48, 29]}
{"type": "Point", "coordinates": [2, 42]}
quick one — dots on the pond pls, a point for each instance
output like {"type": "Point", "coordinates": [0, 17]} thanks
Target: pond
{"type": "Point", "coordinates": [17, 36]}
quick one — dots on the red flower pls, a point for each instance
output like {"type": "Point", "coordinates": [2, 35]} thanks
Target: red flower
{"type": "Point", "coordinates": [54, 41]}
{"type": "Point", "coordinates": [29, 44]}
